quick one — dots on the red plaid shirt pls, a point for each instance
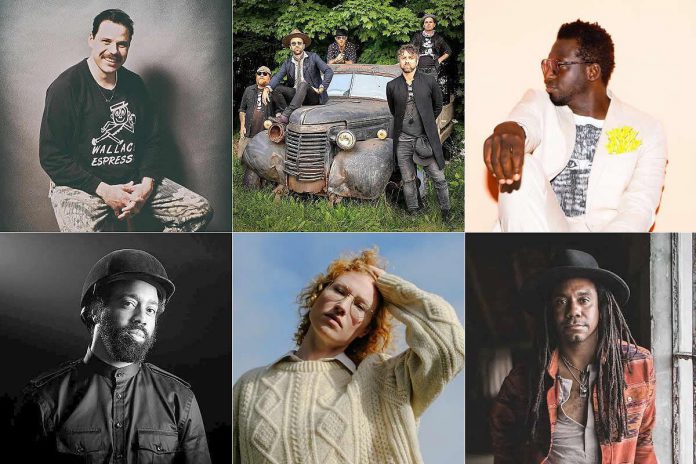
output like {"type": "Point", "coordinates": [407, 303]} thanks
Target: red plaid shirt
{"type": "Point", "coordinates": [510, 433]}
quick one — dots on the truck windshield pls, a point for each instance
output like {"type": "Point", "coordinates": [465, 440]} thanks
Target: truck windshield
{"type": "Point", "coordinates": [340, 85]}
{"type": "Point", "coordinates": [359, 85]}
{"type": "Point", "coordinates": [370, 86]}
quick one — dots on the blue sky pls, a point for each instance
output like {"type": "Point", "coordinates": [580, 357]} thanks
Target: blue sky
{"type": "Point", "coordinates": [271, 269]}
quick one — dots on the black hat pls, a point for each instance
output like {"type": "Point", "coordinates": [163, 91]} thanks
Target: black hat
{"type": "Point", "coordinates": [127, 264]}
{"type": "Point", "coordinates": [570, 264]}
{"type": "Point", "coordinates": [342, 32]}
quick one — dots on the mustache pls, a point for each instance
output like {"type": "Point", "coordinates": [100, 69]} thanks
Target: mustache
{"type": "Point", "coordinates": [136, 326]}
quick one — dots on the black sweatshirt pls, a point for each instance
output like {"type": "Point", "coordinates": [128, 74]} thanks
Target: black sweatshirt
{"type": "Point", "coordinates": [86, 139]}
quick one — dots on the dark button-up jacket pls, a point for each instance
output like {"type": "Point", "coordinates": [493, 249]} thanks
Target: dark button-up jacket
{"type": "Point", "coordinates": [89, 411]}
{"type": "Point", "coordinates": [510, 433]}
{"type": "Point", "coordinates": [428, 98]}
{"type": "Point", "coordinates": [312, 69]}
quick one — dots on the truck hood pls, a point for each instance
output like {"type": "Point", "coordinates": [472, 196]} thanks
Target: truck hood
{"type": "Point", "coordinates": [338, 110]}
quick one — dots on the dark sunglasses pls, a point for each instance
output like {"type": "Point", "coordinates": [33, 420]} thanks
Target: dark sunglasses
{"type": "Point", "coordinates": [262, 73]}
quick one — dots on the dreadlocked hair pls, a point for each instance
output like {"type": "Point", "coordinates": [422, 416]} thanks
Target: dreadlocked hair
{"type": "Point", "coordinates": [611, 357]}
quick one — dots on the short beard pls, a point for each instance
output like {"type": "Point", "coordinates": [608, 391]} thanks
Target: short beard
{"type": "Point", "coordinates": [564, 100]}
{"type": "Point", "coordinates": [558, 102]}
{"type": "Point", "coordinates": [118, 342]}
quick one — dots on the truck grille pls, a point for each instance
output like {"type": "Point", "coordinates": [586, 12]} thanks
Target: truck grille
{"type": "Point", "coordinates": [305, 155]}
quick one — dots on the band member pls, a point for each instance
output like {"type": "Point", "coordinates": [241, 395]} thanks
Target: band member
{"type": "Point", "coordinates": [252, 110]}
{"type": "Point", "coordinates": [415, 101]}
{"type": "Point", "coordinates": [433, 50]}
{"type": "Point", "coordinates": [341, 51]}
{"type": "Point", "coordinates": [302, 73]}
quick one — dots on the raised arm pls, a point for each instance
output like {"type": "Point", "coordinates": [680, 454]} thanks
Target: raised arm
{"type": "Point", "coordinates": [435, 338]}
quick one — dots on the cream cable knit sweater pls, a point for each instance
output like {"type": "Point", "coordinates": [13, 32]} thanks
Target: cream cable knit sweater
{"type": "Point", "coordinates": [317, 412]}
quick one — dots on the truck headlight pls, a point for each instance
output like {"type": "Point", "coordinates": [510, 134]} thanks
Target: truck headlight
{"type": "Point", "coordinates": [345, 139]}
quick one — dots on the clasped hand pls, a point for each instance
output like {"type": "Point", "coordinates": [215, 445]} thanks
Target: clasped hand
{"type": "Point", "coordinates": [126, 200]}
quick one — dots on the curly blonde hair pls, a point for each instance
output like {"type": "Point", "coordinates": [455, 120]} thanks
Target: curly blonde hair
{"type": "Point", "coordinates": [378, 338]}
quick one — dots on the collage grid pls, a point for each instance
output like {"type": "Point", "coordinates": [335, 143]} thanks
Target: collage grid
{"type": "Point", "coordinates": [335, 260]}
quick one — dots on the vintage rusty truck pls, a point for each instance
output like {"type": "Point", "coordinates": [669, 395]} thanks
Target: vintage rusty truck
{"type": "Point", "coordinates": [340, 149]}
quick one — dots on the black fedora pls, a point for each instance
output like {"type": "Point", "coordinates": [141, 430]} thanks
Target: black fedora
{"type": "Point", "coordinates": [570, 264]}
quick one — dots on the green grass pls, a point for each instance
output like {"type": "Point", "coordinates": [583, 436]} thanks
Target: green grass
{"type": "Point", "coordinates": [258, 210]}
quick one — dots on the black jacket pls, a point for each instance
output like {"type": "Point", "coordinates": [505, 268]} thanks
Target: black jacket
{"type": "Point", "coordinates": [428, 98]}
{"type": "Point", "coordinates": [248, 106]}
{"type": "Point", "coordinates": [440, 46]}
{"type": "Point", "coordinates": [89, 411]}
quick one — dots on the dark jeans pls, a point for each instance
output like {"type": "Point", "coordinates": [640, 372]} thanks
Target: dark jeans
{"type": "Point", "coordinates": [441, 79]}
{"type": "Point", "coordinates": [404, 157]}
{"type": "Point", "coordinates": [302, 95]}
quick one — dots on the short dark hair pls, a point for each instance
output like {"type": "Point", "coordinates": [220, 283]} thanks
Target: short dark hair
{"type": "Point", "coordinates": [115, 16]}
{"type": "Point", "coordinates": [595, 44]}
{"type": "Point", "coordinates": [410, 48]}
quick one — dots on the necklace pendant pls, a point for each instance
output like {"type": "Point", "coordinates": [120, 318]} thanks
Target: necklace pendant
{"type": "Point", "coordinates": [583, 391]}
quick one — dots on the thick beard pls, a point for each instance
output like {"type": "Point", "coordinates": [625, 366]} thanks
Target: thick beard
{"type": "Point", "coordinates": [119, 344]}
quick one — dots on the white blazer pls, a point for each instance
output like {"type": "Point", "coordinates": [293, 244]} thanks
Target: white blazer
{"type": "Point", "coordinates": [624, 189]}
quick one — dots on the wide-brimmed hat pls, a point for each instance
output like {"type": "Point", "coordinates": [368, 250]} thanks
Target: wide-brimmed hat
{"type": "Point", "coordinates": [296, 33]}
{"type": "Point", "coordinates": [569, 264]}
